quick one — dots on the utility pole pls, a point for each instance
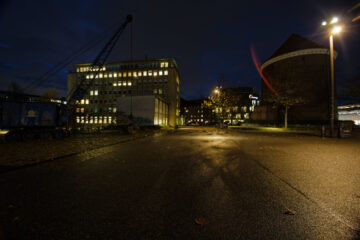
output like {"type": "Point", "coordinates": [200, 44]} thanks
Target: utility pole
{"type": "Point", "coordinates": [132, 74]}
{"type": "Point", "coordinates": [332, 93]}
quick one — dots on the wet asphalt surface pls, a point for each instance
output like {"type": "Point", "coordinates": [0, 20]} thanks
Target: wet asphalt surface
{"type": "Point", "coordinates": [237, 185]}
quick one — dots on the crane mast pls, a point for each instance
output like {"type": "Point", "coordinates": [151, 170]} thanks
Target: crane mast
{"type": "Point", "coordinates": [96, 66]}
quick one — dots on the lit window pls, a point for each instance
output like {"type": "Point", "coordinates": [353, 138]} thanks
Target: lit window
{"type": "Point", "coordinates": [105, 119]}
{"type": "Point", "coordinates": [145, 73]}
{"type": "Point", "coordinates": [115, 74]}
{"type": "Point", "coordinates": [78, 120]}
{"type": "Point", "coordinates": [91, 120]}
{"type": "Point", "coordinates": [95, 119]}
{"type": "Point", "coordinates": [92, 76]}
{"type": "Point", "coordinates": [100, 119]}
{"type": "Point", "coordinates": [101, 75]}
{"type": "Point", "coordinates": [162, 64]}
{"type": "Point", "coordinates": [129, 74]}
{"type": "Point", "coordinates": [155, 90]}
{"type": "Point", "coordinates": [114, 109]}
{"type": "Point", "coordinates": [124, 74]}
{"type": "Point", "coordinates": [82, 110]}
{"type": "Point", "coordinates": [119, 83]}
{"type": "Point", "coordinates": [87, 101]}
{"type": "Point", "coordinates": [77, 110]}
{"type": "Point", "coordinates": [160, 91]}
{"type": "Point", "coordinates": [114, 84]}
{"type": "Point", "coordinates": [160, 73]}
{"type": "Point", "coordinates": [96, 92]}
{"type": "Point", "coordinates": [124, 83]}
{"type": "Point", "coordinates": [120, 74]}
{"type": "Point", "coordinates": [134, 74]}
{"type": "Point", "coordinates": [87, 76]}
{"type": "Point", "coordinates": [86, 120]}
{"type": "Point", "coordinates": [155, 73]}
{"type": "Point", "coordinates": [150, 73]}
{"type": "Point", "coordinates": [105, 75]}
{"type": "Point", "coordinates": [110, 74]}
{"type": "Point", "coordinates": [91, 93]}
{"type": "Point", "coordinates": [139, 73]}
{"type": "Point", "coordinates": [109, 119]}
{"type": "Point", "coordinates": [166, 72]}
{"type": "Point", "coordinates": [166, 64]}
{"type": "Point", "coordinates": [82, 101]}
{"type": "Point", "coordinates": [129, 83]}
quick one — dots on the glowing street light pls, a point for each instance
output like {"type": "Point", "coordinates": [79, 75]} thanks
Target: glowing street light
{"type": "Point", "coordinates": [333, 31]}
{"type": "Point", "coordinates": [334, 20]}
{"type": "Point", "coordinates": [336, 30]}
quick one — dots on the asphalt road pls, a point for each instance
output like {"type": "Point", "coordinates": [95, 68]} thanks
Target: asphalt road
{"type": "Point", "coordinates": [236, 185]}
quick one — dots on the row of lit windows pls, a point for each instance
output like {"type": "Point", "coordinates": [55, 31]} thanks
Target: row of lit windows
{"type": "Point", "coordinates": [87, 69]}
{"type": "Point", "coordinates": [95, 119]}
{"type": "Point", "coordinates": [82, 101]}
{"type": "Point", "coordinates": [123, 83]}
{"type": "Point", "coordinates": [109, 110]}
{"type": "Point", "coordinates": [96, 93]}
{"type": "Point", "coordinates": [129, 83]}
{"type": "Point", "coordinates": [128, 74]}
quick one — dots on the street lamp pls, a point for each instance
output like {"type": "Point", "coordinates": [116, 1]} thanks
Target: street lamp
{"type": "Point", "coordinates": [334, 29]}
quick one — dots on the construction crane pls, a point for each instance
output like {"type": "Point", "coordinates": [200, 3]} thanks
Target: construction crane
{"type": "Point", "coordinates": [82, 88]}
{"type": "Point", "coordinates": [28, 120]}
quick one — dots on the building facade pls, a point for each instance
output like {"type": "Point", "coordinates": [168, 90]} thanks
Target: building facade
{"type": "Point", "coordinates": [117, 80]}
{"type": "Point", "coordinates": [302, 67]}
{"type": "Point", "coordinates": [248, 101]}
{"type": "Point", "coordinates": [196, 112]}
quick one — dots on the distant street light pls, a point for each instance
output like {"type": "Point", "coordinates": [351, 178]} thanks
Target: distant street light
{"type": "Point", "coordinates": [333, 31]}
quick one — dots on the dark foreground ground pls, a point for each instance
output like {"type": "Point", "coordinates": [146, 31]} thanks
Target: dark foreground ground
{"type": "Point", "coordinates": [235, 185]}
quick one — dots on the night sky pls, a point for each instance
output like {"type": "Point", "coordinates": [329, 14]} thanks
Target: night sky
{"type": "Point", "coordinates": [207, 38]}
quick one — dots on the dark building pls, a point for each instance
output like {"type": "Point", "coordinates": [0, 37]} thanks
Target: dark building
{"type": "Point", "coordinates": [303, 67]}
{"type": "Point", "coordinates": [23, 97]}
{"type": "Point", "coordinates": [196, 112]}
{"type": "Point", "coordinates": [248, 100]}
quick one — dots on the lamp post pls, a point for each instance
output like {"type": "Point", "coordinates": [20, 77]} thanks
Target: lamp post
{"type": "Point", "coordinates": [334, 29]}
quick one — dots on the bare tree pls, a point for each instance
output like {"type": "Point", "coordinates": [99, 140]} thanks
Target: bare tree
{"type": "Point", "coordinates": [286, 97]}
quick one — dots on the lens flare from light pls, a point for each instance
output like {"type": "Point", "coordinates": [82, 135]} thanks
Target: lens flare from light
{"type": "Point", "coordinates": [257, 65]}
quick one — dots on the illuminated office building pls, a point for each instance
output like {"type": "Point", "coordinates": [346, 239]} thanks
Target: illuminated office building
{"type": "Point", "coordinates": [117, 80]}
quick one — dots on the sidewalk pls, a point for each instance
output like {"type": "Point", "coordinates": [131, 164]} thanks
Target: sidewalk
{"type": "Point", "coordinates": [22, 153]}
